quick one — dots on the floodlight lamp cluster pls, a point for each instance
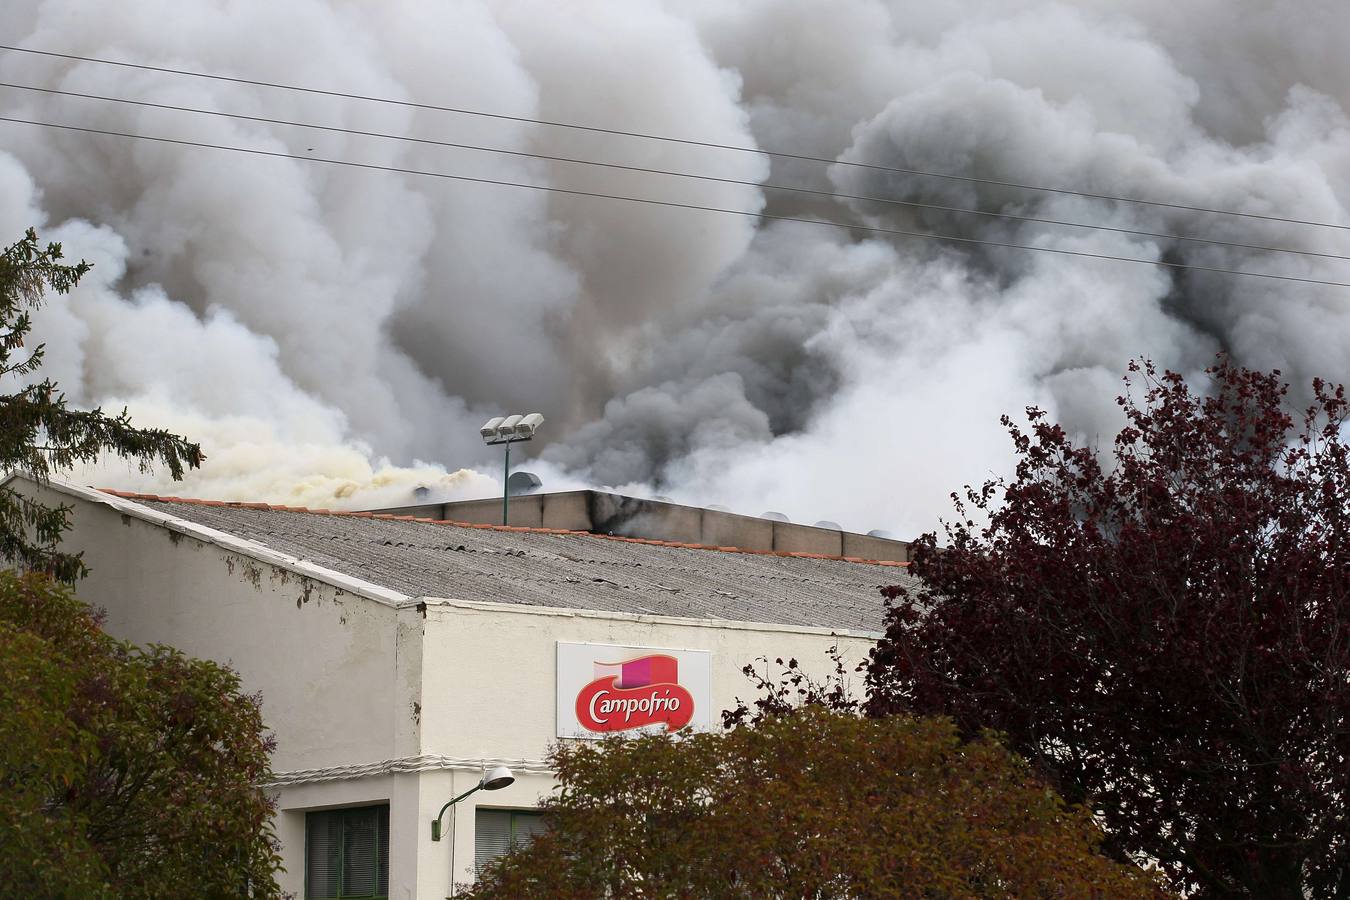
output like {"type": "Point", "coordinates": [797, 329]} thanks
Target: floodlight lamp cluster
{"type": "Point", "coordinates": [510, 429]}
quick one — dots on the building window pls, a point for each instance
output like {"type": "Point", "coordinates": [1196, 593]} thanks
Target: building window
{"type": "Point", "coordinates": [498, 830]}
{"type": "Point", "coordinates": [347, 854]}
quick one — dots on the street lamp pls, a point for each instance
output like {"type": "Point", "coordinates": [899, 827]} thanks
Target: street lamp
{"type": "Point", "coordinates": [508, 430]}
{"type": "Point", "coordinates": [493, 779]}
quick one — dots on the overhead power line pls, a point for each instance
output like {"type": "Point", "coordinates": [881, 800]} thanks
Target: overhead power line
{"type": "Point", "coordinates": [666, 172]}
{"type": "Point", "coordinates": [671, 204]}
{"type": "Point", "coordinates": [617, 132]}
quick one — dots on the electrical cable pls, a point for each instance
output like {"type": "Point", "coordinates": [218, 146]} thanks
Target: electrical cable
{"type": "Point", "coordinates": [667, 139]}
{"type": "Point", "coordinates": [666, 172]}
{"type": "Point", "coordinates": [674, 205]}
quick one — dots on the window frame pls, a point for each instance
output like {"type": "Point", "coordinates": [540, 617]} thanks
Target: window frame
{"type": "Point", "coordinates": [342, 812]}
{"type": "Point", "coordinates": [513, 813]}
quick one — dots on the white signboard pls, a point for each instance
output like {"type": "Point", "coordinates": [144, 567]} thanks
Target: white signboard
{"type": "Point", "coordinates": [604, 688]}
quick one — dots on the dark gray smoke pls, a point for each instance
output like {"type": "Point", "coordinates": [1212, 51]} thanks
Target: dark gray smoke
{"type": "Point", "coordinates": [336, 336]}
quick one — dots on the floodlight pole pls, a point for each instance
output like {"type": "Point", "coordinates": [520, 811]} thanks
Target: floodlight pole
{"type": "Point", "coordinates": [506, 475]}
{"type": "Point", "coordinates": [509, 430]}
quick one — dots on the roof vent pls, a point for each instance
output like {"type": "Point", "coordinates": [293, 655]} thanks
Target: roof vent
{"type": "Point", "coordinates": [826, 523]}
{"type": "Point", "coordinates": [881, 533]}
{"type": "Point", "coordinates": [717, 507]}
{"type": "Point", "coordinates": [421, 493]}
{"type": "Point", "coordinates": [774, 516]}
{"type": "Point", "coordinates": [523, 483]}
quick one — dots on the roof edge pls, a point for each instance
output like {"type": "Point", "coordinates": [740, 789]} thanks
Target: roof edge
{"type": "Point", "coordinates": [121, 502]}
{"type": "Point", "coordinates": [156, 498]}
{"type": "Point", "coordinates": [651, 618]}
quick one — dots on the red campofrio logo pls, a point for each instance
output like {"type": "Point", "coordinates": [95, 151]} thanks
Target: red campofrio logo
{"type": "Point", "coordinates": [634, 694]}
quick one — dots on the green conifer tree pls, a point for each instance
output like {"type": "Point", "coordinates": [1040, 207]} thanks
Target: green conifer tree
{"type": "Point", "coordinates": [40, 434]}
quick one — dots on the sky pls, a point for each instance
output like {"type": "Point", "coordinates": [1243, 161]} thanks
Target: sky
{"type": "Point", "coordinates": [334, 335]}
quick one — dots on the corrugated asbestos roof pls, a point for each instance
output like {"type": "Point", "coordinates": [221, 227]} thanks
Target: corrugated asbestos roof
{"type": "Point", "coordinates": [570, 570]}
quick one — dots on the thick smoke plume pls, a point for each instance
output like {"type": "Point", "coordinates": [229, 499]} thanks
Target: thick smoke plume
{"type": "Point", "coordinates": [335, 336]}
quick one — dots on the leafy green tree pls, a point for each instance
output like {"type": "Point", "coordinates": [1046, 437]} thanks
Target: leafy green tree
{"type": "Point", "coordinates": [124, 773]}
{"type": "Point", "coordinates": [40, 434]}
{"type": "Point", "coordinates": [810, 803]}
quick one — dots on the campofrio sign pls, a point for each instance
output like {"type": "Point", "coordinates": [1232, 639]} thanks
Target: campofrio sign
{"type": "Point", "coordinates": [604, 688]}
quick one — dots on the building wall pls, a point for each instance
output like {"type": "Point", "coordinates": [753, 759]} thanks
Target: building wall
{"type": "Point", "coordinates": [338, 673]}
{"type": "Point", "coordinates": [324, 660]}
{"type": "Point", "coordinates": [489, 686]}
{"type": "Point", "coordinates": [348, 681]}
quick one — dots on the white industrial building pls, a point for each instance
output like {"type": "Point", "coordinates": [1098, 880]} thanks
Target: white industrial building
{"type": "Point", "coordinates": [399, 657]}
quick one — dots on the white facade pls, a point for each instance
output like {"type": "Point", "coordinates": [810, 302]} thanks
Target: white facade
{"type": "Point", "coordinates": [375, 696]}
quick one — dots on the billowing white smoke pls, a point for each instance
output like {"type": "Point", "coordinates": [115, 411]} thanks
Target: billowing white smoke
{"type": "Point", "coordinates": [334, 336]}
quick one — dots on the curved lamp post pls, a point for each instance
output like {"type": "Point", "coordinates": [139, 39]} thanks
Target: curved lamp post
{"type": "Point", "coordinates": [493, 779]}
